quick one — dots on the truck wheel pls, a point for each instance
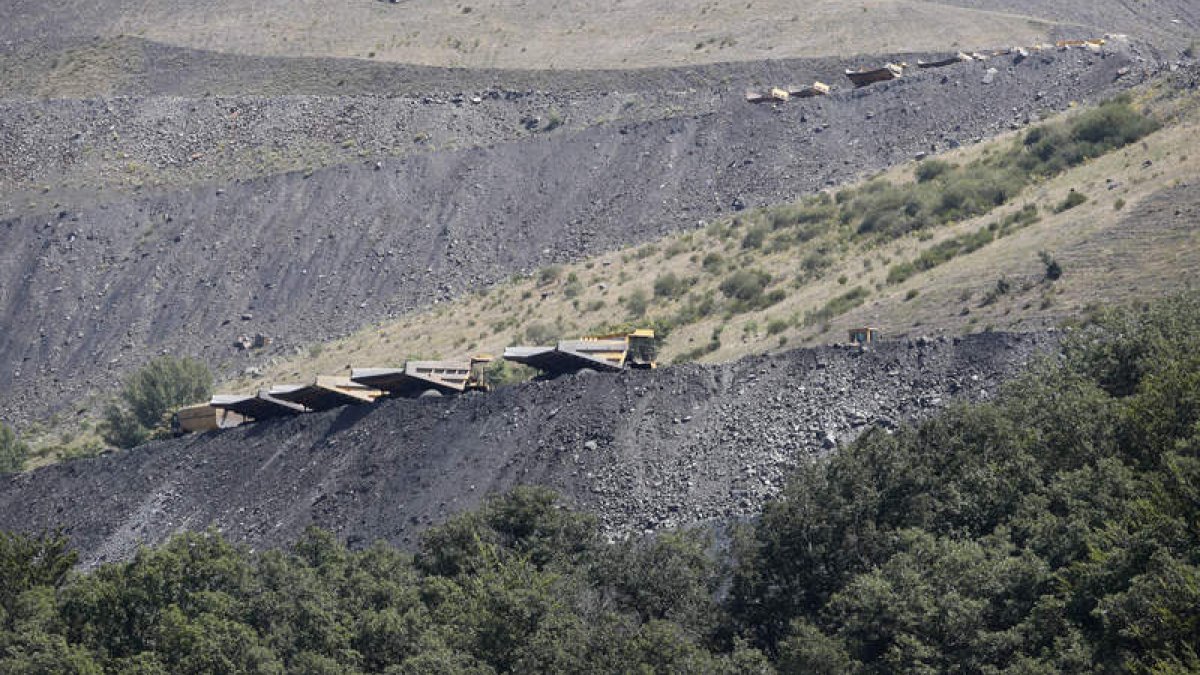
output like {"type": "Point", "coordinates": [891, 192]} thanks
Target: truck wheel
{"type": "Point", "coordinates": [431, 393]}
{"type": "Point", "coordinates": [585, 371]}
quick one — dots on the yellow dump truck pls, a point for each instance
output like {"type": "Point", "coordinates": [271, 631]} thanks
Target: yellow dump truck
{"type": "Point", "coordinates": [636, 349]}
{"type": "Point", "coordinates": [427, 378]}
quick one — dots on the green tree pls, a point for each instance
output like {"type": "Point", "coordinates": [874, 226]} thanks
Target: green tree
{"type": "Point", "coordinates": [12, 450]}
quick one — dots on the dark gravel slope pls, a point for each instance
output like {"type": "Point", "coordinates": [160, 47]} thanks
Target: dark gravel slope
{"type": "Point", "coordinates": [87, 294]}
{"type": "Point", "coordinates": [643, 450]}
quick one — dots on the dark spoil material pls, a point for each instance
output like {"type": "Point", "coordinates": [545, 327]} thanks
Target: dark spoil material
{"type": "Point", "coordinates": [643, 450]}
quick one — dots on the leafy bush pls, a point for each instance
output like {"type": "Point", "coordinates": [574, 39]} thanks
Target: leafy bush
{"type": "Point", "coordinates": [541, 333]}
{"type": "Point", "coordinates": [549, 274]}
{"type": "Point", "coordinates": [670, 286]}
{"type": "Point", "coordinates": [1072, 200]}
{"type": "Point", "coordinates": [745, 288]}
{"type": "Point", "coordinates": [940, 253]}
{"type": "Point", "coordinates": [637, 303]}
{"type": "Point", "coordinates": [1053, 269]}
{"type": "Point", "coordinates": [944, 193]}
{"type": "Point", "coordinates": [754, 237]}
{"type": "Point", "coordinates": [150, 394]}
{"type": "Point", "coordinates": [777, 326]}
{"type": "Point", "coordinates": [13, 451]}
{"type": "Point", "coordinates": [713, 263]}
{"type": "Point", "coordinates": [837, 306]}
{"type": "Point", "coordinates": [931, 169]}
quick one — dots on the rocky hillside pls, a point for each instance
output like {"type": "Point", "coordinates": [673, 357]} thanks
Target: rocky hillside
{"type": "Point", "coordinates": [91, 288]}
{"type": "Point", "coordinates": [643, 450]}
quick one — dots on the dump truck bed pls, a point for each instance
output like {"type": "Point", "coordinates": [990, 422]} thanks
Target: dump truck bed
{"type": "Point", "coordinates": [563, 359]}
{"type": "Point", "coordinates": [260, 406]}
{"type": "Point", "coordinates": [326, 393]}
{"type": "Point", "coordinates": [204, 417]}
{"type": "Point", "coordinates": [417, 377]}
{"type": "Point", "coordinates": [861, 78]}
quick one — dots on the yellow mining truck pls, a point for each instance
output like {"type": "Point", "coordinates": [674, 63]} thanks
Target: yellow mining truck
{"type": "Point", "coordinates": [635, 349]}
{"type": "Point", "coordinates": [427, 378]}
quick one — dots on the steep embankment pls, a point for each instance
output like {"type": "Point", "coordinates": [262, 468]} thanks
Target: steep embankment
{"type": "Point", "coordinates": [644, 450]}
{"type": "Point", "coordinates": [87, 294]}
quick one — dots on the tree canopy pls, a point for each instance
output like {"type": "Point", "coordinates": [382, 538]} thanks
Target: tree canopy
{"type": "Point", "coordinates": [1055, 528]}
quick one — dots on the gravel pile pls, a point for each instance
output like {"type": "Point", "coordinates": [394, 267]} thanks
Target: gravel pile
{"type": "Point", "coordinates": [643, 450]}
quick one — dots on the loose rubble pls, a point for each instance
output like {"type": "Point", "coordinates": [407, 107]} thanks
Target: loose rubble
{"type": "Point", "coordinates": [643, 450]}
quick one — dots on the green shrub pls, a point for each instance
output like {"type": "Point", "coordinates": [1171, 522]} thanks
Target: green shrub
{"type": "Point", "coordinates": [932, 168]}
{"type": "Point", "coordinates": [163, 384]}
{"type": "Point", "coordinates": [13, 452]}
{"type": "Point", "coordinates": [541, 333]}
{"type": "Point", "coordinates": [1053, 269]}
{"type": "Point", "coordinates": [1072, 200]}
{"type": "Point", "coordinates": [777, 326]}
{"type": "Point", "coordinates": [1053, 147]}
{"type": "Point", "coordinates": [121, 428]}
{"type": "Point", "coordinates": [150, 395]}
{"type": "Point", "coordinates": [1002, 287]}
{"type": "Point", "coordinates": [637, 303]}
{"type": "Point", "coordinates": [815, 262]}
{"type": "Point", "coordinates": [713, 263]}
{"type": "Point", "coordinates": [670, 286]}
{"type": "Point", "coordinates": [837, 306]}
{"type": "Point", "coordinates": [912, 293]}
{"type": "Point", "coordinates": [745, 285]}
{"type": "Point", "coordinates": [754, 237]}
{"type": "Point", "coordinates": [940, 253]}
{"type": "Point", "coordinates": [549, 274]}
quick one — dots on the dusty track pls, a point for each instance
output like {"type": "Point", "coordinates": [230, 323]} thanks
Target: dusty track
{"type": "Point", "coordinates": [643, 450]}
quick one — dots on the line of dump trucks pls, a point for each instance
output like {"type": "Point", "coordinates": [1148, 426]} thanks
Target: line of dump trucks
{"type": "Point", "coordinates": [863, 77]}
{"type": "Point", "coordinates": [635, 349]}
{"type": "Point", "coordinates": [419, 379]}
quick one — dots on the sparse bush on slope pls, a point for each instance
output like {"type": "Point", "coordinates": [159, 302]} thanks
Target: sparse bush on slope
{"type": "Point", "coordinates": [150, 394]}
{"type": "Point", "coordinates": [13, 452]}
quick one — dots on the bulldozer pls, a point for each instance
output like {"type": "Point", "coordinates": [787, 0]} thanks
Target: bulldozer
{"type": "Point", "coordinates": [864, 335]}
{"type": "Point", "coordinates": [427, 378]}
{"type": "Point", "coordinates": [596, 353]}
